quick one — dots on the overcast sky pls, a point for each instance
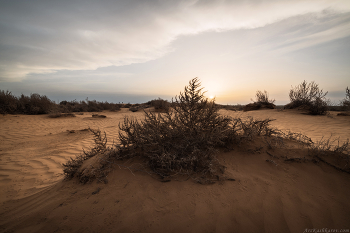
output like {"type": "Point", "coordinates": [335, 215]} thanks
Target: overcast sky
{"type": "Point", "coordinates": [134, 51]}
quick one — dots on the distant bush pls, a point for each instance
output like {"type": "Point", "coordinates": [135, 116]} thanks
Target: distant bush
{"type": "Point", "coordinates": [87, 106]}
{"type": "Point", "coordinates": [128, 105]}
{"type": "Point", "coordinates": [310, 97]}
{"type": "Point", "coordinates": [58, 115]}
{"type": "Point", "coordinates": [262, 102]}
{"type": "Point", "coordinates": [35, 104]}
{"type": "Point", "coordinates": [263, 98]}
{"type": "Point", "coordinates": [8, 103]}
{"type": "Point", "coordinates": [134, 108]}
{"type": "Point", "coordinates": [345, 103]}
{"type": "Point", "coordinates": [41, 104]}
{"type": "Point", "coordinates": [159, 104]}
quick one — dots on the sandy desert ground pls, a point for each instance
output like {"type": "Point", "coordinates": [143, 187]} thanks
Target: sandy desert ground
{"type": "Point", "coordinates": [289, 197]}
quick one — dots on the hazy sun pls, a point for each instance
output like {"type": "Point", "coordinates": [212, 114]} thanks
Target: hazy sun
{"type": "Point", "coordinates": [211, 97]}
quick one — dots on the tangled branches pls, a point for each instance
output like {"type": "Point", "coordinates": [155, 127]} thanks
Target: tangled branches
{"type": "Point", "coordinates": [310, 97]}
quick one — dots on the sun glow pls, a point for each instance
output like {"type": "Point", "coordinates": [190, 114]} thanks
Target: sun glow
{"type": "Point", "coordinates": [211, 97]}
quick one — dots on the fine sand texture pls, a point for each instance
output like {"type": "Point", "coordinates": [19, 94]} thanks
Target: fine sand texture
{"type": "Point", "coordinates": [265, 196]}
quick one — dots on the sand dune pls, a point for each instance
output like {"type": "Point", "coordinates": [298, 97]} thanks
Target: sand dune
{"type": "Point", "coordinates": [289, 197]}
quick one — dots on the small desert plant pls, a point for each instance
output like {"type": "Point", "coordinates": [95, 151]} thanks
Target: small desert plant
{"type": "Point", "coordinates": [263, 98]}
{"type": "Point", "coordinates": [309, 96]}
{"type": "Point", "coordinates": [332, 152]}
{"type": "Point", "coordinates": [345, 103]}
{"type": "Point", "coordinates": [262, 101]}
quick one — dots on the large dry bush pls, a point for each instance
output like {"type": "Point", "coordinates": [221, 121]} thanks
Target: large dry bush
{"type": "Point", "coordinates": [179, 141]}
{"type": "Point", "coordinates": [308, 96]}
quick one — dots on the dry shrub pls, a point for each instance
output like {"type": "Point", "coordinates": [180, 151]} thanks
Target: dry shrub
{"type": "Point", "coordinates": [181, 140]}
{"type": "Point", "coordinates": [33, 104]}
{"type": "Point", "coordinates": [134, 108]}
{"type": "Point", "coordinates": [57, 115]}
{"type": "Point", "coordinates": [98, 116]}
{"type": "Point", "coordinates": [87, 106]}
{"type": "Point", "coordinates": [128, 105]}
{"type": "Point", "coordinates": [329, 151]}
{"type": "Point", "coordinates": [159, 105]}
{"type": "Point", "coordinates": [309, 97]}
{"type": "Point", "coordinates": [257, 106]}
{"type": "Point", "coordinates": [262, 102]}
{"type": "Point", "coordinates": [263, 98]}
{"type": "Point", "coordinates": [98, 168]}
{"type": "Point", "coordinates": [345, 103]}
{"type": "Point", "coordinates": [8, 103]}
{"type": "Point", "coordinates": [332, 152]}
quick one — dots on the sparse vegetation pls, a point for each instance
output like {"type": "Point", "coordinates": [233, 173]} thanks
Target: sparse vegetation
{"type": "Point", "coordinates": [8, 103]}
{"type": "Point", "coordinates": [33, 104]}
{"type": "Point", "coordinates": [185, 140]}
{"type": "Point", "coordinates": [87, 106]}
{"type": "Point", "coordinates": [159, 105]}
{"type": "Point", "coordinates": [72, 167]}
{"type": "Point", "coordinates": [57, 115]}
{"type": "Point", "coordinates": [309, 97]}
{"type": "Point", "coordinates": [263, 98]}
{"type": "Point", "coordinates": [237, 107]}
{"type": "Point", "coordinates": [41, 104]}
{"type": "Point", "coordinates": [345, 103]}
{"type": "Point", "coordinates": [262, 102]}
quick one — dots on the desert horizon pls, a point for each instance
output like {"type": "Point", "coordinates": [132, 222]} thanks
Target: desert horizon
{"type": "Point", "coordinates": [174, 116]}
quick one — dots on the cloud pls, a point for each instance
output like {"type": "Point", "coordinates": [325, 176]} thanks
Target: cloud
{"type": "Point", "coordinates": [47, 36]}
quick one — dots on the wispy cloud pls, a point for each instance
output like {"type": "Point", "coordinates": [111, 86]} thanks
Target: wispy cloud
{"type": "Point", "coordinates": [47, 36]}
